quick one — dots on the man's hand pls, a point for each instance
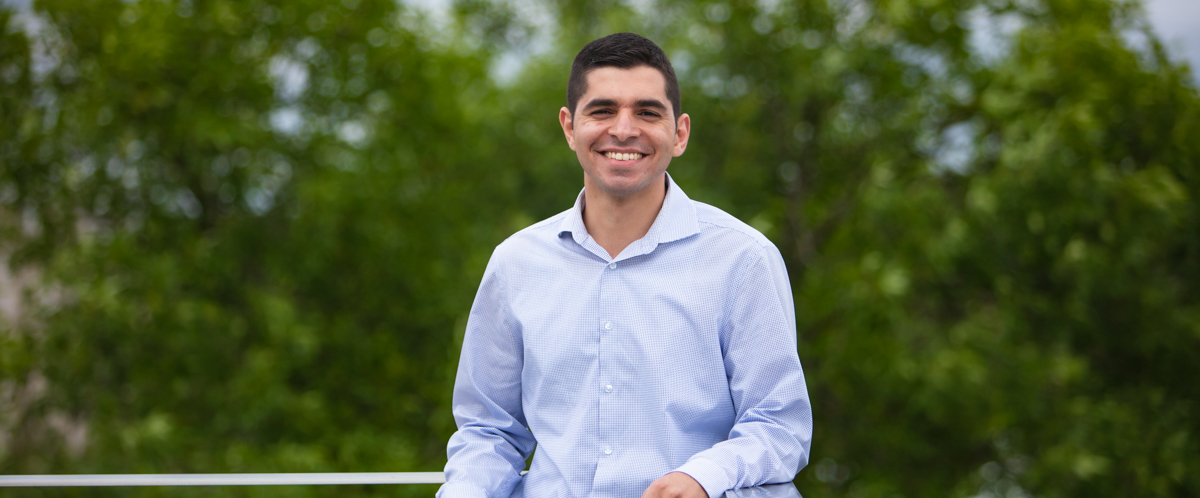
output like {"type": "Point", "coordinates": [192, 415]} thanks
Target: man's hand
{"type": "Point", "coordinates": [675, 485]}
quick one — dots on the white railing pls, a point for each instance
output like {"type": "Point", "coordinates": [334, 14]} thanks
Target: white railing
{"type": "Point", "coordinates": [44, 481]}
{"type": "Point", "coordinates": [785, 490]}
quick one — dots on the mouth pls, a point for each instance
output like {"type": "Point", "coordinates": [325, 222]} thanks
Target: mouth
{"type": "Point", "coordinates": [623, 156]}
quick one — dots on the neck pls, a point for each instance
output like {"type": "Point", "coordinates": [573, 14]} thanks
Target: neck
{"type": "Point", "coordinates": [614, 221]}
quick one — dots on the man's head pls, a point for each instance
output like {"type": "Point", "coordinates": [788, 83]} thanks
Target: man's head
{"type": "Point", "coordinates": [624, 122]}
{"type": "Point", "coordinates": [624, 51]}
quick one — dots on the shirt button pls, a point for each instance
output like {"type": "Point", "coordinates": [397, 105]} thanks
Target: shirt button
{"type": "Point", "coordinates": [607, 325]}
{"type": "Point", "coordinates": [608, 388]}
{"type": "Point", "coordinates": [607, 450]}
{"type": "Point", "coordinates": [612, 266]}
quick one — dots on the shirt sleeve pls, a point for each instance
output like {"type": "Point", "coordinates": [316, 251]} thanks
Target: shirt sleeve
{"type": "Point", "coordinates": [770, 438]}
{"type": "Point", "coordinates": [488, 452]}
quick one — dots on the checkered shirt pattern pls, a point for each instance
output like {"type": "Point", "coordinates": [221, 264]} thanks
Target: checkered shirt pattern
{"type": "Point", "coordinates": [677, 355]}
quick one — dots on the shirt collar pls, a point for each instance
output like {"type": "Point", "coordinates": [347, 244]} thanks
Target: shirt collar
{"type": "Point", "coordinates": [676, 220]}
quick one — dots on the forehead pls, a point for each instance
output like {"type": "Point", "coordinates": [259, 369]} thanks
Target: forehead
{"type": "Point", "coordinates": [636, 83]}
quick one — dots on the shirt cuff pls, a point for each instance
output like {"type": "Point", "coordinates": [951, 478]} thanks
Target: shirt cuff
{"type": "Point", "coordinates": [711, 476]}
{"type": "Point", "coordinates": [461, 489]}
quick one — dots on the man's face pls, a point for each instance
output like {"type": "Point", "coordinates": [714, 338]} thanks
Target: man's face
{"type": "Point", "coordinates": [624, 131]}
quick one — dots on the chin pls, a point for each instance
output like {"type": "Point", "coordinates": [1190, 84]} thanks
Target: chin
{"type": "Point", "coordinates": [626, 187]}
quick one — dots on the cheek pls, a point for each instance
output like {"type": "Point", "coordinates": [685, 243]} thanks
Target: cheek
{"type": "Point", "coordinates": [666, 138]}
{"type": "Point", "coordinates": [585, 139]}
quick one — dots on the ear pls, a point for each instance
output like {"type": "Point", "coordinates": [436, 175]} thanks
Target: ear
{"type": "Point", "coordinates": [683, 129]}
{"type": "Point", "coordinates": [568, 126]}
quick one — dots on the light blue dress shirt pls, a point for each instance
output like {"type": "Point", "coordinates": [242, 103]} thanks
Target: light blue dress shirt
{"type": "Point", "coordinates": [677, 355]}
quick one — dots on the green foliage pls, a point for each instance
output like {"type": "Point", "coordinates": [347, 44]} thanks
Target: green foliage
{"type": "Point", "coordinates": [254, 229]}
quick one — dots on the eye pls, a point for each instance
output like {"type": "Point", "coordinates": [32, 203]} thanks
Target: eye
{"type": "Point", "coordinates": [601, 111]}
{"type": "Point", "coordinates": [650, 114]}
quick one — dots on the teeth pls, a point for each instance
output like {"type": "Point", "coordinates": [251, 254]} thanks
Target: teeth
{"type": "Point", "coordinates": [622, 156]}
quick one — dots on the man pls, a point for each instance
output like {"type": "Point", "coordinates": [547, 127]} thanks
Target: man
{"type": "Point", "coordinates": [643, 342]}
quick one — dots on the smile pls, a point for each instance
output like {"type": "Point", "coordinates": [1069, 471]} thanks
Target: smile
{"type": "Point", "coordinates": [624, 156]}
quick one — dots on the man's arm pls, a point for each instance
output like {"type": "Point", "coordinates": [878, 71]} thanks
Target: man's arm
{"type": "Point", "coordinates": [488, 452]}
{"type": "Point", "coordinates": [769, 442]}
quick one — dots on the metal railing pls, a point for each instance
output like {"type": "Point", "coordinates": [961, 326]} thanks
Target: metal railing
{"type": "Point", "coordinates": [785, 490]}
{"type": "Point", "coordinates": [46, 481]}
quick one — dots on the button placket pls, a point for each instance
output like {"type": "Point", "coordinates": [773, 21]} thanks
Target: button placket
{"type": "Point", "coordinates": [609, 345]}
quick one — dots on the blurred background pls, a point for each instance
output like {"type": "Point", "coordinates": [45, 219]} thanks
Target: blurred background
{"type": "Point", "coordinates": [243, 236]}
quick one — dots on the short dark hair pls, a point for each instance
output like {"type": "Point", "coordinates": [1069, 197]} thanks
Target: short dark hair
{"type": "Point", "coordinates": [625, 51]}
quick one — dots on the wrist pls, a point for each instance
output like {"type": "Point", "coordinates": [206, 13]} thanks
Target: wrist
{"type": "Point", "coordinates": [708, 474]}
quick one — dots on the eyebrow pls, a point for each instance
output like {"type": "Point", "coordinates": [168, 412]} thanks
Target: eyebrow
{"type": "Point", "coordinates": [653, 103]}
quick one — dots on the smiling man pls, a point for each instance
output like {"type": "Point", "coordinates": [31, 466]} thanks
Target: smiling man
{"type": "Point", "coordinates": [642, 342]}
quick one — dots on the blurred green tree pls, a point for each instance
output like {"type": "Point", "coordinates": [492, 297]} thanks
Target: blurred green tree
{"type": "Point", "coordinates": [258, 227]}
{"type": "Point", "coordinates": [254, 232]}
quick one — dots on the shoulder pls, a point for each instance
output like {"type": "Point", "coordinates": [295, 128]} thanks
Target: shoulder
{"type": "Point", "coordinates": [726, 231]}
{"type": "Point", "coordinates": [757, 265]}
{"type": "Point", "coordinates": [533, 241]}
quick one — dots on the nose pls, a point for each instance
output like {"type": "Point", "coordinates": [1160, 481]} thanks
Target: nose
{"type": "Point", "coordinates": [625, 127]}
